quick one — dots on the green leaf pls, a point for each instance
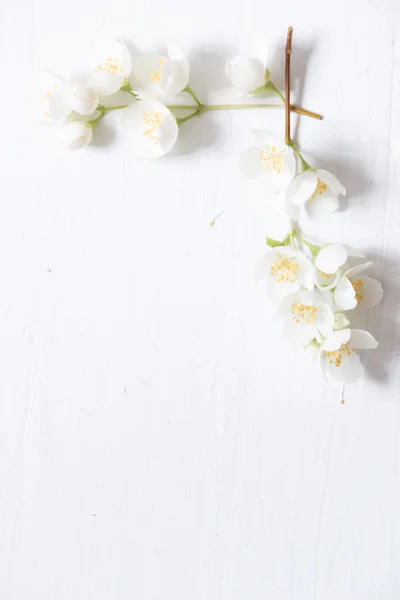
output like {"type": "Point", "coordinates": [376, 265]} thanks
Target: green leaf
{"type": "Point", "coordinates": [273, 243]}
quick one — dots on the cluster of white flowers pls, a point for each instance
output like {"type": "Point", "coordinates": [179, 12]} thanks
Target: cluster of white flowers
{"type": "Point", "coordinates": [152, 81]}
{"type": "Point", "coordinates": [156, 90]}
{"type": "Point", "coordinates": [312, 287]}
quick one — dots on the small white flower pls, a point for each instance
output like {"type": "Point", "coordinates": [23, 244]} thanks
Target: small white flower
{"type": "Point", "coordinates": [76, 134]}
{"type": "Point", "coordinates": [329, 264]}
{"type": "Point", "coordinates": [246, 74]}
{"type": "Point", "coordinates": [113, 65]}
{"type": "Point", "coordinates": [152, 127]}
{"type": "Point", "coordinates": [338, 356]}
{"type": "Point", "coordinates": [61, 96]}
{"type": "Point", "coordinates": [354, 289]}
{"type": "Point", "coordinates": [271, 160]}
{"type": "Point", "coordinates": [287, 271]}
{"type": "Point", "coordinates": [307, 317]}
{"type": "Point", "coordinates": [318, 189]}
{"type": "Point", "coordinates": [160, 77]}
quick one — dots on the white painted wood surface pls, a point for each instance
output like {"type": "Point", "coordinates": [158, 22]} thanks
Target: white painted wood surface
{"type": "Point", "coordinates": [159, 439]}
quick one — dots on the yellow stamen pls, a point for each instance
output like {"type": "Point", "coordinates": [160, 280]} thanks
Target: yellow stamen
{"type": "Point", "coordinates": [358, 288]}
{"type": "Point", "coordinates": [284, 269]}
{"type": "Point", "coordinates": [152, 120]}
{"type": "Point", "coordinates": [336, 356]}
{"type": "Point", "coordinates": [110, 66]}
{"type": "Point", "coordinates": [319, 190]}
{"type": "Point", "coordinates": [304, 312]}
{"type": "Point", "coordinates": [272, 160]}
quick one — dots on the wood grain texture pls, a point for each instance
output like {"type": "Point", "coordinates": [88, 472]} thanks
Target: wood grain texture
{"type": "Point", "coordinates": [159, 439]}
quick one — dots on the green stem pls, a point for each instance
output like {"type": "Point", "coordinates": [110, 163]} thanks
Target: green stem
{"type": "Point", "coordinates": [181, 120]}
{"type": "Point", "coordinates": [312, 247]}
{"type": "Point", "coordinates": [304, 164]}
{"type": "Point", "coordinates": [191, 92]}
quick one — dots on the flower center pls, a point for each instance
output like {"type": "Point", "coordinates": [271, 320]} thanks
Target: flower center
{"type": "Point", "coordinates": [358, 288]}
{"type": "Point", "coordinates": [304, 313]}
{"type": "Point", "coordinates": [319, 190]}
{"type": "Point", "coordinates": [110, 66]}
{"type": "Point", "coordinates": [152, 120]}
{"type": "Point", "coordinates": [272, 160]}
{"type": "Point", "coordinates": [156, 76]}
{"type": "Point", "coordinates": [326, 275]}
{"type": "Point", "coordinates": [284, 269]}
{"type": "Point", "coordinates": [336, 356]}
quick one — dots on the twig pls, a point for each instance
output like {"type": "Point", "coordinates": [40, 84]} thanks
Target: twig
{"type": "Point", "coordinates": [288, 52]}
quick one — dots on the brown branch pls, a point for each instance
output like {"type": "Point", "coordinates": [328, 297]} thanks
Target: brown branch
{"type": "Point", "coordinates": [288, 52]}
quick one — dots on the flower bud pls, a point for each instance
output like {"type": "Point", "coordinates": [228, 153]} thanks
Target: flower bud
{"type": "Point", "coordinates": [76, 134]}
{"type": "Point", "coordinates": [83, 99]}
{"type": "Point", "coordinates": [246, 74]}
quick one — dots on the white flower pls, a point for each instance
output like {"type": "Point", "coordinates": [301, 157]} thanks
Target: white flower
{"type": "Point", "coordinates": [152, 127]}
{"type": "Point", "coordinates": [271, 160]}
{"type": "Point", "coordinates": [288, 270]}
{"type": "Point", "coordinates": [62, 96]}
{"type": "Point", "coordinates": [113, 65]}
{"type": "Point", "coordinates": [318, 189]}
{"type": "Point", "coordinates": [160, 77]}
{"type": "Point", "coordinates": [338, 356]}
{"type": "Point", "coordinates": [246, 74]}
{"type": "Point", "coordinates": [76, 134]}
{"type": "Point", "coordinates": [307, 317]}
{"type": "Point", "coordinates": [330, 262]}
{"type": "Point", "coordinates": [354, 289]}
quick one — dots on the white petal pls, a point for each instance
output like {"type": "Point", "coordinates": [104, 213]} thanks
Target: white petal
{"type": "Point", "coordinates": [174, 51]}
{"type": "Point", "coordinates": [326, 281]}
{"type": "Point", "coordinates": [353, 252]}
{"type": "Point", "coordinates": [330, 258]}
{"type": "Point", "coordinates": [349, 369]}
{"type": "Point", "coordinates": [107, 84]}
{"type": "Point", "coordinates": [345, 295]}
{"type": "Point", "coordinates": [245, 74]}
{"type": "Point", "coordinates": [324, 319]}
{"type": "Point", "coordinates": [76, 134]}
{"type": "Point", "coordinates": [250, 162]}
{"type": "Point", "coordinates": [336, 339]}
{"type": "Point", "coordinates": [113, 65]}
{"type": "Point", "coordinates": [278, 290]}
{"type": "Point", "coordinates": [301, 188]}
{"type": "Point", "coordinates": [354, 271]}
{"type": "Point", "coordinates": [306, 272]}
{"type": "Point", "coordinates": [289, 162]}
{"type": "Point", "coordinates": [274, 183]}
{"type": "Point", "coordinates": [152, 127]}
{"type": "Point", "coordinates": [292, 211]}
{"type": "Point", "coordinates": [268, 138]}
{"type": "Point", "coordinates": [82, 98]}
{"type": "Point", "coordinates": [371, 292]}
{"type": "Point", "coordinates": [332, 182]}
{"type": "Point", "coordinates": [58, 104]}
{"type": "Point", "coordinates": [322, 205]}
{"type": "Point", "coordinates": [312, 352]}
{"type": "Point", "coordinates": [341, 321]}
{"type": "Point", "coordinates": [299, 332]}
{"type": "Point", "coordinates": [362, 340]}
{"type": "Point", "coordinates": [176, 75]}
{"type": "Point", "coordinates": [147, 70]}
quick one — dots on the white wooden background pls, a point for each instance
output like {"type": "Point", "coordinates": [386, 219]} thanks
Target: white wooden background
{"type": "Point", "coordinates": [158, 437]}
